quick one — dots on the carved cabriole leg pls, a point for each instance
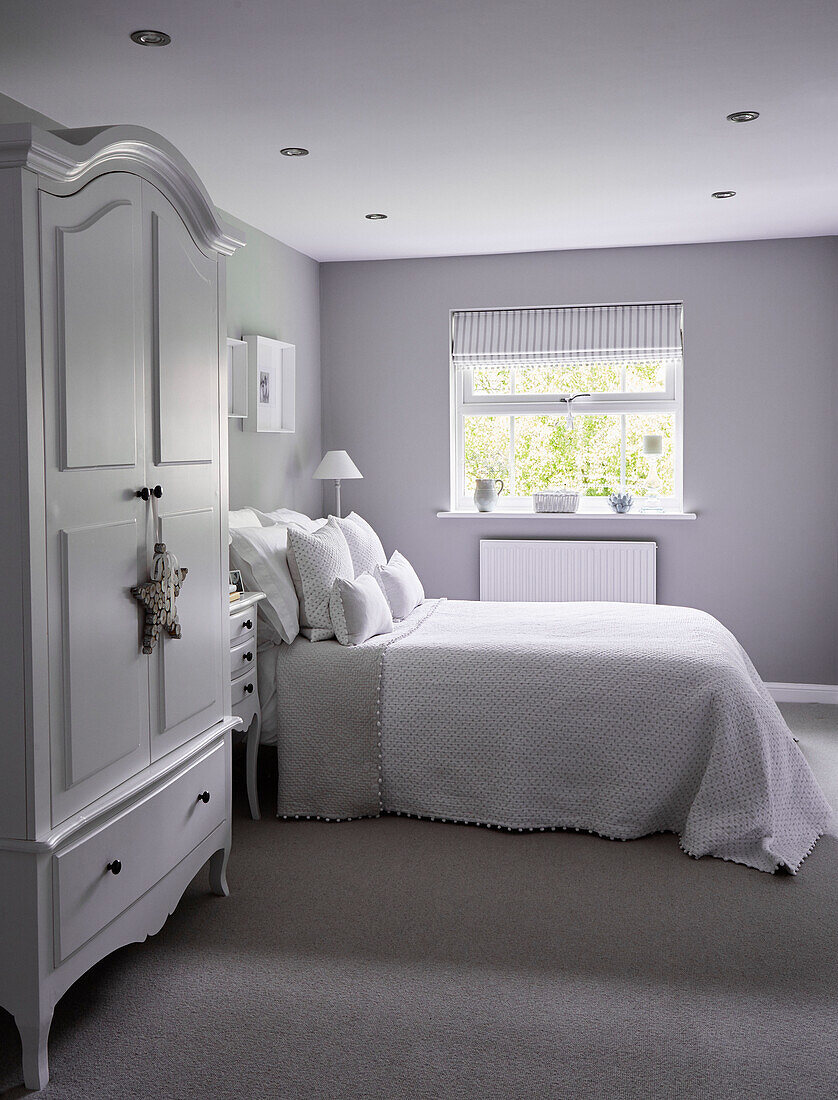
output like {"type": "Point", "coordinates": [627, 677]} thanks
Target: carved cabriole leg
{"type": "Point", "coordinates": [34, 1035]}
{"type": "Point", "coordinates": [218, 872]}
{"type": "Point", "coordinates": [253, 738]}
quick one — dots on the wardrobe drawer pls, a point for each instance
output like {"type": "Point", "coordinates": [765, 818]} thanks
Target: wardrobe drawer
{"type": "Point", "coordinates": [141, 845]}
{"type": "Point", "coordinates": [243, 626]}
{"type": "Point", "coordinates": [243, 688]}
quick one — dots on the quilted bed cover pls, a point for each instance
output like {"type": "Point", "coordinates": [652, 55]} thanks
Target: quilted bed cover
{"type": "Point", "coordinates": [618, 719]}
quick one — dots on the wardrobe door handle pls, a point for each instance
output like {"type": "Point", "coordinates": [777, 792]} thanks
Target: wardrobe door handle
{"type": "Point", "coordinates": [145, 493]}
{"type": "Point", "coordinates": [204, 797]}
{"type": "Point", "coordinates": [247, 624]}
{"type": "Point", "coordinates": [247, 689]}
{"type": "Point", "coordinates": [115, 866]}
{"type": "Point", "coordinates": [248, 656]}
{"type": "Point", "coordinates": [157, 491]}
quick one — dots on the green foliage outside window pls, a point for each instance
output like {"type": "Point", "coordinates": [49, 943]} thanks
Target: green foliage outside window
{"type": "Point", "coordinates": [547, 454]}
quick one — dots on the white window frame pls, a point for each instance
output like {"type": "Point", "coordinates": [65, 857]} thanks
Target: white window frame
{"type": "Point", "coordinates": [465, 403]}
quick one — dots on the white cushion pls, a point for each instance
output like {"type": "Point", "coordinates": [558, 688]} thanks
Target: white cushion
{"type": "Point", "coordinates": [359, 609]}
{"type": "Point", "coordinates": [244, 517]}
{"type": "Point", "coordinates": [400, 585]}
{"type": "Point", "coordinates": [364, 544]}
{"type": "Point", "coordinates": [316, 559]}
{"type": "Point", "coordinates": [288, 515]}
{"type": "Point", "coordinates": [260, 553]}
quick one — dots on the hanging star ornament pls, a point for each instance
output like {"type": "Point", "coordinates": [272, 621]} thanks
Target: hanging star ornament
{"type": "Point", "coordinates": [157, 597]}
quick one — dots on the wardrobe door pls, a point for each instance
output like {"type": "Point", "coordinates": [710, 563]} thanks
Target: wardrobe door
{"type": "Point", "coordinates": [186, 685]}
{"type": "Point", "coordinates": [91, 288]}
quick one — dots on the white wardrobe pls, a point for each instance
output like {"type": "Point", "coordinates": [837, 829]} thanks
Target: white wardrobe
{"type": "Point", "coordinates": [114, 765]}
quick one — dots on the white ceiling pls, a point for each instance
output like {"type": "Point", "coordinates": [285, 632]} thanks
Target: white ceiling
{"type": "Point", "coordinates": [478, 125]}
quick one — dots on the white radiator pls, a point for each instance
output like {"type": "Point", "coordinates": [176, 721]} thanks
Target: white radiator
{"type": "Point", "coordinates": [546, 570]}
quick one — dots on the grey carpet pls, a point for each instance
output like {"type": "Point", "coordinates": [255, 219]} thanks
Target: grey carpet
{"type": "Point", "coordinates": [407, 959]}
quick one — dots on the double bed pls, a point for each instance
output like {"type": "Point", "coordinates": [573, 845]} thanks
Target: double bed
{"type": "Point", "coordinates": [617, 719]}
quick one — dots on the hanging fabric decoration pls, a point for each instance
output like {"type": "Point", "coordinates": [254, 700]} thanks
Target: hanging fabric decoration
{"type": "Point", "coordinates": [158, 596]}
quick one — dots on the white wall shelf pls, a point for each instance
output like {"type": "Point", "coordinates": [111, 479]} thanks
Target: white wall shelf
{"type": "Point", "coordinates": [271, 367]}
{"type": "Point", "coordinates": [579, 517]}
{"type": "Point", "coordinates": [236, 378]}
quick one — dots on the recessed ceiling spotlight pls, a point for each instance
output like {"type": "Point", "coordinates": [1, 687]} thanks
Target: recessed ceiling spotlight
{"type": "Point", "coordinates": [376, 217]}
{"type": "Point", "coordinates": [723, 194]}
{"type": "Point", "coordinates": [743, 116]}
{"type": "Point", "coordinates": [151, 38]}
{"type": "Point", "coordinates": [294, 151]}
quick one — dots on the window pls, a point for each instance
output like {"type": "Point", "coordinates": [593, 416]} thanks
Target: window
{"type": "Point", "coordinates": [562, 398]}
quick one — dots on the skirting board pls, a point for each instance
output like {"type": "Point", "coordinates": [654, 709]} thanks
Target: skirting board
{"type": "Point", "coordinates": [804, 693]}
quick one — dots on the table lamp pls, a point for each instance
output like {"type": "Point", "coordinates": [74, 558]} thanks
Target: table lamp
{"type": "Point", "coordinates": [336, 466]}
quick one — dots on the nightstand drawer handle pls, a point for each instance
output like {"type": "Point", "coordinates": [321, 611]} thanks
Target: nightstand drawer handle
{"type": "Point", "coordinates": [115, 866]}
{"type": "Point", "coordinates": [248, 656]}
{"type": "Point", "coordinates": [247, 625]}
{"type": "Point", "coordinates": [204, 797]}
{"type": "Point", "coordinates": [247, 689]}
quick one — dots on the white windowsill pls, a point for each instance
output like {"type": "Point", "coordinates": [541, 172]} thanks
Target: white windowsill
{"type": "Point", "coordinates": [579, 516]}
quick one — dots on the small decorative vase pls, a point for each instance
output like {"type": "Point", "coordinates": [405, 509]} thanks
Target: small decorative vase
{"type": "Point", "coordinates": [485, 493]}
{"type": "Point", "coordinates": [621, 502]}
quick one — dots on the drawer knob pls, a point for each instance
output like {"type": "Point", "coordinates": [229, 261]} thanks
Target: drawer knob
{"type": "Point", "coordinates": [247, 624]}
{"type": "Point", "coordinates": [248, 656]}
{"type": "Point", "coordinates": [247, 689]}
{"type": "Point", "coordinates": [204, 797]}
{"type": "Point", "coordinates": [115, 866]}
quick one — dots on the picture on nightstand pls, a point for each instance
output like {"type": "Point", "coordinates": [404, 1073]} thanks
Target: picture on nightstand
{"type": "Point", "coordinates": [236, 585]}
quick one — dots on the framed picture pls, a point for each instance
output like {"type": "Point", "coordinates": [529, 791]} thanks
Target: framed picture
{"type": "Point", "coordinates": [266, 387]}
{"type": "Point", "coordinates": [271, 385]}
{"type": "Point", "coordinates": [236, 584]}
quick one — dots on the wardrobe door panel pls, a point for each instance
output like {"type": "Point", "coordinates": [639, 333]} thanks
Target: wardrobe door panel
{"type": "Point", "coordinates": [189, 695]}
{"type": "Point", "coordinates": [97, 361]}
{"type": "Point", "coordinates": [185, 342]}
{"type": "Point", "coordinates": [104, 716]}
{"type": "Point", "coordinates": [93, 338]}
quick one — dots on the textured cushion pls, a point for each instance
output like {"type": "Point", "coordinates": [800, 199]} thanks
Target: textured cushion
{"type": "Point", "coordinates": [316, 559]}
{"type": "Point", "coordinates": [260, 555]}
{"type": "Point", "coordinates": [400, 585]}
{"type": "Point", "coordinates": [364, 544]}
{"type": "Point", "coordinates": [359, 609]}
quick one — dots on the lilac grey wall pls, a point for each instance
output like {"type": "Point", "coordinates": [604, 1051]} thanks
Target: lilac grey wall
{"type": "Point", "coordinates": [273, 290]}
{"type": "Point", "coordinates": [760, 433]}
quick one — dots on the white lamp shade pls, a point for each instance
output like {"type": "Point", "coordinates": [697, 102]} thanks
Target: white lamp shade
{"type": "Point", "coordinates": [336, 465]}
{"type": "Point", "coordinates": [652, 445]}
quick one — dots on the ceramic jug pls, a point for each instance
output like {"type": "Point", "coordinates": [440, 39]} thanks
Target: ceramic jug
{"type": "Point", "coordinates": [485, 493]}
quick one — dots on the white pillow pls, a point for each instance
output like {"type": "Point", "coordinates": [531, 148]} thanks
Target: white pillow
{"type": "Point", "coordinates": [400, 585]}
{"type": "Point", "coordinates": [244, 517]}
{"type": "Point", "coordinates": [359, 609]}
{"type": "Point", "coordinates": [364, 544]}
{"type": "Point", "coordinates": [288, 515]}
{"type": "Point", "coordinates": [260, 554]}
{"type": "Point", "coordinates": [316, 559]}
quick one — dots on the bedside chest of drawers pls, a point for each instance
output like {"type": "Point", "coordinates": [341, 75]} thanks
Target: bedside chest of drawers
{"type": "Point", "coordinates": [244, 684]}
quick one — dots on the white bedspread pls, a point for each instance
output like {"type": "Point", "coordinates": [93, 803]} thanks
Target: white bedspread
{"type": "Point", "coordinates": [621, 719]}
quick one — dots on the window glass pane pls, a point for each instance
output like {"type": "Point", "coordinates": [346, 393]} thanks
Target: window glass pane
{"type": "Point", "coordinates": [486, 446]}
{"type": "Point", "coordinates": [486, 382]}
{"type": "Point", "coordinates": [637, 466]}
{"type": "Point", "coordinates": [549, 455]}
{"type": "Point", "coordinates": [646, 377]}
{"type": "Point", "coordinates": [568, 378]}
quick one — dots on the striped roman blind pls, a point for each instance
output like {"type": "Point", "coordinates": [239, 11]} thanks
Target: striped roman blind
{"type": "Point", "coordinates": [640, 333]}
